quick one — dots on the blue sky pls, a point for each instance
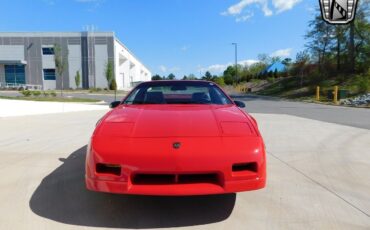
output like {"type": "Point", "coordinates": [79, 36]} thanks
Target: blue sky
{"type": "Point", "coordinates": [179, 36]}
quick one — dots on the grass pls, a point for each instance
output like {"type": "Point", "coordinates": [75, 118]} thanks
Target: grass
{"type": "Point", "coordinates": [51, 99]}
{"type": "Point", "coordinates": [295, 88]}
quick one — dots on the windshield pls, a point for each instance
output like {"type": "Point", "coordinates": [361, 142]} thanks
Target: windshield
{"type": "Point", "coordinates": [177, 92]}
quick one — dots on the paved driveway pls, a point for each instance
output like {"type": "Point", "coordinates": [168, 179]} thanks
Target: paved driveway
{"type": "Point", "coordinates": [318, 178]}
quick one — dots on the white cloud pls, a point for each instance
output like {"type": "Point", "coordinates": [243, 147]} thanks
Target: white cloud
{"type": "Point", "coordinates": [266, 10]}
{"type": "Point", "coordinates": [282, 53]}
{"type": "Point", "coordinates": [219, 68]}
{"type": "Point", "coordinates": [244, 17]}
{"type": "Point", "coordinates": [237, 9]}
{"type": "Point", "coordinates": [174, 69]}
{"type": "Point", "coordinates": [248, 62]}
{"type": "Point", "coordinates": [283, 5]}
{"type": "Point", "coordinates": [165, 69]}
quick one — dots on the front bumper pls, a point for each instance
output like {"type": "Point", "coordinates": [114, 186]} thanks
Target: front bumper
{"type": "Point", "coordinates": [196, 157]}
{"type": "Point", "coordinates": [174, 189]}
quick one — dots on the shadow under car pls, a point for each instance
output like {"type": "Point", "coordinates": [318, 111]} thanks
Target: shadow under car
{"type": "Point", "coordinates": [62, 197]}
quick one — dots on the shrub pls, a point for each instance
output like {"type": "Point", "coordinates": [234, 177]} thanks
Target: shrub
{"type": "Point", "coordinates": [271, 80]}
{"type": "Point", "coordinates": [78, 79]}
{"type": "Point", "coordinates": [363, 84]}
{"type": "Point", "coordinates": [53, 94]}
{"type": "Point", "coordinates": [113, 85]}
{"type": "Point", "coordinates": [26, 93]}
{"type": "Point", "coordinates": [36, 93]}
{"type": "Point", "coordinates": [220, 81]}
{"type": "Point", "coordinates": [92, 90]}
{"type": "Point", "coordinates": [46, 93]}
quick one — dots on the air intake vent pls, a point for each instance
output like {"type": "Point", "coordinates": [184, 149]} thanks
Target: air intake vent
{"type": "Point", "coordinates": [245, 167]}
{"type": "Point", "coordinates": [108, 169]}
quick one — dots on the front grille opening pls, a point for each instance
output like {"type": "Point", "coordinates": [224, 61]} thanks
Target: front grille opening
{"type": "Point", "coordinates": [154, 179]}
{"type": "Point", "coordinates": [198, 178]}
{"type": "Point", "coordinates": [108, 169]}
{"type": "Point", "coordinates": [245, 167]}
{"type": "Point", "coordinates": [165, 179]}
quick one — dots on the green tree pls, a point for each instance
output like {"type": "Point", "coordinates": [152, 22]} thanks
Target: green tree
{"type": "Point", "coordinates": [320, 39]}
{"type": "Point", "coordinates": [191, 77]}
{"type": "Point", "coordinates": [113, 86]}
{"type": "Point", "coordinates": [208, 76]}
{"type": "Point", "coordinates": [276, 73]}
{"type": "Point", "coordinates": [270, 74]}
{"type": "Point", "coordinates": [302, 59]}
{"type": "Point", "coordinates": [361, 38]}
{"type": "Point", "coordinates": [287, 61]}
{"type": "Point", "coordinates": [346, 45]}
{"type": "Point", "coordinates": [109, 73]}
{"type": "Point", "coordinates": [171, 76]}
{"type": "Point", "coordinates": [219, 81]}
{"type": "Point", "coordinates": [256, 68]}
{"type": "Point", "coordinates": [156, 78]}
{"type": "Point", "coordinates": [340, 40]}
{"type": "Point", "coordinates": [264, 58]}
{"type": "Point", "coordinates": [275, 59]}
{"type": "Point", "coordinates": [60, 59]}
{"type": "Point", "coordinates": [229, 75]}
{"type": "Point", "coordinates": [78, 79]}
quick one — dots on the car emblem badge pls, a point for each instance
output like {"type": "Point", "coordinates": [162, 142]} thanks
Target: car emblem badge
{"type": "Point", "coordinates": [176, 145]}
{"type": "Point", "coordinates": [338, 11]}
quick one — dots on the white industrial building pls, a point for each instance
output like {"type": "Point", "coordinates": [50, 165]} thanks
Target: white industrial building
{"type": "Point", "coordinates": [129, 70]}
{"type": "Point", "coordinates": [27, 59]}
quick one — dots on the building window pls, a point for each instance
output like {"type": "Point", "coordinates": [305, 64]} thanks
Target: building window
{"type": "Point", "coordinates": [15, 74]}
{"type": "Point", "coordinates": [49, 74]}
{"type": "Point", "coordinates": [48, 51]}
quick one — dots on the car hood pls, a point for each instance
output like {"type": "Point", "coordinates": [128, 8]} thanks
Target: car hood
{"type": "Point", "coordinates": [176, 121]}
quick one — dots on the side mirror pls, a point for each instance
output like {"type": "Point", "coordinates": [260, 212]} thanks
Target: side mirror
{"type": "Point", "coordinates": [114, 104]}
{"type": "Point", "coordinates": [240, 104]}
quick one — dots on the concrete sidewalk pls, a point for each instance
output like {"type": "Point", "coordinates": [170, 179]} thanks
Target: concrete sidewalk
{"type": "Point", "coordinates": [12, 108]}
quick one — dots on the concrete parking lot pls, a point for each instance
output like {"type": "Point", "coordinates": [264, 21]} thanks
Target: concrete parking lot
{"type": "Point", "coordinates": [318, 178]}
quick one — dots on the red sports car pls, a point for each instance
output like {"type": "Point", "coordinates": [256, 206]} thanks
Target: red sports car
{"type": "Point", "coordinates": [176, 138]}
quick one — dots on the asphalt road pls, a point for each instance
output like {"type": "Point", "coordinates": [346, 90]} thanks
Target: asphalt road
{"type": "Point", "coordinates": [318, 178]}
{"type": "Point", "coordinates": [355, 117]}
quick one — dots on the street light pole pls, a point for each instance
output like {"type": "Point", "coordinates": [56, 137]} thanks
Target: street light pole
{"type": "Point", "coordinates": [236, 61]}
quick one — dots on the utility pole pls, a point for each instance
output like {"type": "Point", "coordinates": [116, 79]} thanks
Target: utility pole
{"type": "Point", "coordinates": [236, 61]}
